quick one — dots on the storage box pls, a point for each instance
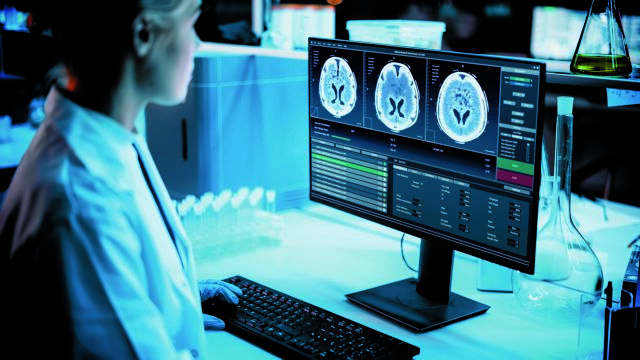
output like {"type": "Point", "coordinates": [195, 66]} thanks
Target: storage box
{"type": "Point", "coordinates": [414, 33]}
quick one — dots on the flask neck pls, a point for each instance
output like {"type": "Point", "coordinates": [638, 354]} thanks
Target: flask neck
{"type": "Point", "coordinates": [564, 148]}
{"type": "Point", "coordinates": [602, 7]}
{"type": "Point", "coordinates": [560, 200]}
{"type": "Point", "coordinates": [561, 217]}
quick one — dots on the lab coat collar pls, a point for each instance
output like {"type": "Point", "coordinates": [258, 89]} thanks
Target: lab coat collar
{"type": "Point", "coordinates": [92, 135]}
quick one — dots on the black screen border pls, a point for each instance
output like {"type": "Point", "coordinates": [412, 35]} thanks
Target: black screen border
{"type": "Point", "coordinates": [525, 264]}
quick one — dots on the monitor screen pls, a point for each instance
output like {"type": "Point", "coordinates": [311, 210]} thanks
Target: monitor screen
{"type": "Point", "coordinates": [441, 145]}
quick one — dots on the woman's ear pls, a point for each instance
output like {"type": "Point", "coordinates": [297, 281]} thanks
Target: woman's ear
{"type": "Point", "coordinates": [142, 36]}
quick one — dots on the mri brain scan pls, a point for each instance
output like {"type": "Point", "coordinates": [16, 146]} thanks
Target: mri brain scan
{"type": "Point", "coordinates": [462, 107]}
{"type": "Point", "coordinates": [337, 87]}
{"type": "Point", "coordinates": [397, 97]}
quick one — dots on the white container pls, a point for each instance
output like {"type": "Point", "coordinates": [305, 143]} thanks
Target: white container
{"type": "Point", "coordinates": [413, 33]}
{"type": "Point", "coordinates": [292, 25]}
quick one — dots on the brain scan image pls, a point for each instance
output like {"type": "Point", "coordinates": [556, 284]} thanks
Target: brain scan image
{"type": "Point", "coordinates": [338, 87]}
{"type": "Point", "coordinates": [397, 97]}
{"type": "Point", "coordinates": [462, 107]}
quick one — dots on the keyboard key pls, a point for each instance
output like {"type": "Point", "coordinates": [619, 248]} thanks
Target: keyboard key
{"type": "Point", "coordinates": [281, 335]}
{"type": "Point", "coordinates": [287, 329]}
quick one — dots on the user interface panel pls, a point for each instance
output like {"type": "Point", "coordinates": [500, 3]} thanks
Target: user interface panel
{"type": "Point", "coordinates": [432, 143]}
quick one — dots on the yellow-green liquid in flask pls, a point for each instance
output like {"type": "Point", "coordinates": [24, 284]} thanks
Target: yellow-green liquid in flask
{"type": "Point", "coordinates": [612, 65]}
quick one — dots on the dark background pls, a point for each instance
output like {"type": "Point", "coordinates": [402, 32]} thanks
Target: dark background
{"type": "Point", "coordinates": [604, 154]}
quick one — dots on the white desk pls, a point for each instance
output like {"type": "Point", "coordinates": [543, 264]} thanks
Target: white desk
{"type": "Point", "coordinates": [325, 254]}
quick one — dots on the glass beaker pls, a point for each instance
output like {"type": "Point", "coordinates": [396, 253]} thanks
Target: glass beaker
{"type": "Point", "coordinates": [568, 279]}
{"type": "Point", "coordinates": [602, 47]}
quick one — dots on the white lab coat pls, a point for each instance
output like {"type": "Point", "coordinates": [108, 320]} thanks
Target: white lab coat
{"type": "Point", "coordinates": [132, 292]}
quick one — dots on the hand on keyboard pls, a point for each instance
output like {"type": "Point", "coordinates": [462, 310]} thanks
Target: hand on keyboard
{"type": "Point", "coordinates": [294, 329]}
{"type": "Point", "coordinates": [217, 291]}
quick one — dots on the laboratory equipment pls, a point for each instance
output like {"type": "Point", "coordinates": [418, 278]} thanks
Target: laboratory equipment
{"type": "Point", "coordinates": [602, 47]}
{"type": "Point", "coordinates": [230, 221]}
{"type": "Point", "coordinates": [547, 186]}
{"type": "Point", "coordinates": [568, 277]}
{"type": "Point", "coordinates": [230, 130]}
{"type": "Point", "coordinates": [291, 25]}
{"type": "Point", "coordinates": [414, 33]}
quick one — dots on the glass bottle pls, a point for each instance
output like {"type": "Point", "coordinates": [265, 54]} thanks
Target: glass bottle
{"type": "Point", "coordinates": [602, 48]}
{"type": "Point", "coordinates": [568, 279]}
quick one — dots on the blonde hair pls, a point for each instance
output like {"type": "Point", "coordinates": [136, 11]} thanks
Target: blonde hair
{"type": "Point", "coordinates": [162, 5]}
{"type": "Point", "coordinates": [92, 38]}
{"type": "Point", "coordinates": [163, 11]}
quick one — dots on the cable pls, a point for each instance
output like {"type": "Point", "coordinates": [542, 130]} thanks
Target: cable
{"type": "Point", "coordinates": [402, 253]}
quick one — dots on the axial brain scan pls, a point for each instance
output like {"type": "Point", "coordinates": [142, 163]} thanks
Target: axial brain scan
{"type": "Point", "coordinates": [462, 107]}
{"type": "Point", "coordinates": [396, 97]}
{"type": "Point", "coordinates": [337, 87]}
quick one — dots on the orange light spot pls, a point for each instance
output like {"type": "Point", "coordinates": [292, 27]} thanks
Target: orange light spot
{"type": "Point", "coordinates": [72, 83]}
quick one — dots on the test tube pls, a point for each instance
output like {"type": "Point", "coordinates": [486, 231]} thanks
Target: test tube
{"type": "Point", "coordinates": [207, 197]}
{"type": "Point", "coordinates": [274, 224]}
{"type": "Point", "coordinates": [204, 222]}
{"type": "Point", "coordinates": [256, 197]}
{"type": "Point", "coordinates": [189, 200]}
{"type": "Point", "coordinates": [240, 197]}
{"type": "Point", "coordinates": [256, 218]}
{"type": "Point", "coordinates": [270, 205]}
{"type": "Point", "coordinates": [238, 203]}
{"type": "Point", "coordinates": [185, 213]}
{"type": "Point", "coordinates": [197, 235]}
{"type": "Point", "coordinates": [222, 208]}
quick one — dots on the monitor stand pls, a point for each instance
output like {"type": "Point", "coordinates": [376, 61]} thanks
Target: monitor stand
{"type": "Point", "coordinates": [425, 303]}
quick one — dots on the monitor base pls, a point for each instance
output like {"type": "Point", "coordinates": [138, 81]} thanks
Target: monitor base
{"type": "Point", "coordinates": [400, 302]}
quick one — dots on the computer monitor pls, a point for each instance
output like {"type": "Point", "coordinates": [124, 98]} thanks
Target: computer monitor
{"type": "Point", "coordinates": [441, 145]}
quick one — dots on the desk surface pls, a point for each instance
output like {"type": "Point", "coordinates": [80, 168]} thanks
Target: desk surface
{"type": "Point", "coordinates": [324, 254]}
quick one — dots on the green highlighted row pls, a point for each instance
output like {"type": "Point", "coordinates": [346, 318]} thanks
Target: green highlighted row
{"type": "Point", "coordinates": [521, 79]}
{"type": "Point", "coordinates": [348, 164]}
{"type": "Point", "coordinates": [340, 137]}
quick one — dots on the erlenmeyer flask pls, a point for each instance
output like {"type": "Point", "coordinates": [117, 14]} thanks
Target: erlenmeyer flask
{"type": "Point", "coordinates": [547, 187]}
{"type": "Point", "coordinates": [568, 277]}
{"type": "Point", "coordinates": [602, 48]}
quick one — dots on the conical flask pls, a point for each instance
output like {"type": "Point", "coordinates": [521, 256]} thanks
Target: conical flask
{"type": "Point", "coordinates": [602, 48]}
{"type": "Point", "coordinates": [568, 277]}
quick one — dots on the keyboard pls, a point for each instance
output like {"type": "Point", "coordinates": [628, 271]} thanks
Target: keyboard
{"type": "Point", "coordinates": [291, 328]}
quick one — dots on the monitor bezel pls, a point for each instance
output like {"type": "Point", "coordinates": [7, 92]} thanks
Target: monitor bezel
{"type": "Point", "coordinates": [526, 266]}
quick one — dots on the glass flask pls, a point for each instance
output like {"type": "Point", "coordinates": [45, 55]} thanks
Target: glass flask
{"type": "Point", "coordinates": [568, 279]}
{"type": "Point", "coordinates": [602, 48]}
{"type": "Point", "coordinates": [547, 186]}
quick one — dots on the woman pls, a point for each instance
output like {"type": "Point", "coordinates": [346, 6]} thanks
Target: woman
{"type": "Point", "coordinates": [98, 263]}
